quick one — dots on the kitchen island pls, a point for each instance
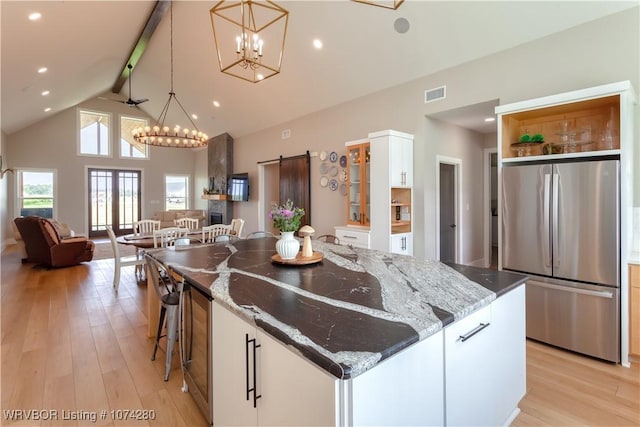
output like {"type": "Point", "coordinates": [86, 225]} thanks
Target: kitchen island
{"type": "Point", "coordinates": [364, 337]}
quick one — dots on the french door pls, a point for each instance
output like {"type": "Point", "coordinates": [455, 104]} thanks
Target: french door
{"type": "Point", "coordinates": [114, 199]}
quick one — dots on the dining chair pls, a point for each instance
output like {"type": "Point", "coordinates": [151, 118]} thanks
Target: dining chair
{"type": "Point", "coordinates": [119, 262]}
{"type": "Point", "coordinates": [170, 293]}
{"type": "Point", "coordinates": [167, 236]}
{"type": "Point", "coordinates": [329, 238]}
{"type": "Point", "coordinates": [209, 232]}
{"type": "Point", "coordinates": [226, 238]}
{"type": "Point", "coordinates": [146, 226]}
{"type": "Point", "coordinates": [260, 234]}
{"type": "Point", "coordinates": [237, 224]}
{"type": "Point", "coordinates": [190, 223]}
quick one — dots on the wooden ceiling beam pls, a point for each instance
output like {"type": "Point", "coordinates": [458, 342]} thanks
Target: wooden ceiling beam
{"type": "Point", "coordinates": [158, 12]}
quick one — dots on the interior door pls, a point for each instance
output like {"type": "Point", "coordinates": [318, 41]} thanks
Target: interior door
{"type": "Point", "coordinates": [295, 183]}
{"type": "Point", "coordinates": [447, 213]}
{"type": "Point", "coordinates": [114, 199]}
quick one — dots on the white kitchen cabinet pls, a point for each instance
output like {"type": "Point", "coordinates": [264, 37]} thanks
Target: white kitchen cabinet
{"type": "Point", "coordinates": [469, 370]}
{"type": "Point", "coordinates": [267, 384]}
{"type": "Point", "coordinates": [483, 385]}
{"type": "Point", "coordinates": [358, 237]}
{"type": "Point", "coordinates": [399, 152]}
{"type": "Point", "coordinates": [402, 243]}
{"type": "Point", "coordinates": [441, 380]}
{"type": "Point", "coordinates": [404, 390]}
{"type": "Point", "coordinates": [391, 192]}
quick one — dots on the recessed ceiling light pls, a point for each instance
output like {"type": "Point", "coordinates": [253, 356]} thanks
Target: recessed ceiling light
{"type": "Point", "coordinates": [317, 43]}
{"type": "Point", "coordinates": [194, 116]}
{"type": "Point", "coordinates": [35, 16]}
{"type": "Point", "coordinates": [216, 104]}
{"type": "Point", "coordinates": [490, 119]}
{"type": "Point", "coordinates": [42, 70]}
{"type": "Point", "coordinates": [46, 110]}
{"type": "Point", "coordinates": [45, 93]}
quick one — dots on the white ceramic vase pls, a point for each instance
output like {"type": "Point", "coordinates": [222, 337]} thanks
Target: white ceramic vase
{"type": "Point", "coordinates": [287, 246]}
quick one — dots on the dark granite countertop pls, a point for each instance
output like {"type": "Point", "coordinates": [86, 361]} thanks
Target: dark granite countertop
{"type": "Point", "coordinates": [349, 312]}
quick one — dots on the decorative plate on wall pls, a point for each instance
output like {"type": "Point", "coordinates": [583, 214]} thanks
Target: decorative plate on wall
{"type": "Point", "coordinates": [324, 181]}
{"type": "Point", "coordinates": [343, 175]}
{"type": "Point", "coordinates": [333, 171]}
{"type": "Point", "coordinates": [333, 157]}
{"type": "Point", "coordinates": [324, 168]}
{"type": "Point", "coordinates": [343, 189]}
{"type": "Point", "coordinates": [323, 155]}
{"type": "Point", "coordinates": [333, 185]}
{"type": "Point", "coordinates": [343, 161]}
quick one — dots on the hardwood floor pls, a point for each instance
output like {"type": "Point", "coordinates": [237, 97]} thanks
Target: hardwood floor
{"type": "Point", "coordinates": [69, 343]}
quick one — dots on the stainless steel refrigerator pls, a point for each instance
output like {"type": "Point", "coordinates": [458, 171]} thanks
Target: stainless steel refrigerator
{"type": "Point", "coordinates": [561, 226]}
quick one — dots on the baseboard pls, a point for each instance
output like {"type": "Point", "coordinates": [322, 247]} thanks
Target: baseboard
{"type": "Point", "coordinates": [477, 263]}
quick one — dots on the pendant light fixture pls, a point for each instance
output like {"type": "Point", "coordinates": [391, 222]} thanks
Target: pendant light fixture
{"type": "Point", "coordinates": [166, 136]}
{"type": "Point", "coordinates": [249, 37]}
{"type": "Point", "coordinates": [388, 4]}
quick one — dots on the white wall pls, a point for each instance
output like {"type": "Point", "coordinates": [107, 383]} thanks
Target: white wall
{"type": "Point", "coordinates": [52, 144]}
{"type": "Point", "coordinates": [599, 52]}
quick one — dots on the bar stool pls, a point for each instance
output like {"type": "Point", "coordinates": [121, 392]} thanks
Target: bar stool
{"type": "Point", "coordinates": [169, 293]}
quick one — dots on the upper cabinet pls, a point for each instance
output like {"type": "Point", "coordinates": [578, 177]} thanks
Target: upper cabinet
{"type": "Point", "coordinates": [583, 123]}
{"type": "Point", "coordinates": [391, 191]}
{"type": "Point", "coordinates": [359, 179]}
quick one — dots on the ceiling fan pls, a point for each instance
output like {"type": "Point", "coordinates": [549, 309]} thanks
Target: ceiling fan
{"type": "Point", "coordinates": [131, 102]}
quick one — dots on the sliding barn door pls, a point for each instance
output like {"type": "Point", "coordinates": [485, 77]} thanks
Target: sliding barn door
{"type": "Point", "coordinates": [295, 183]}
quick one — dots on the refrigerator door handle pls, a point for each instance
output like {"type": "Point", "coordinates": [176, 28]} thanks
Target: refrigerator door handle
{"type": "Point", "coordinates": [546, 245]}
{"type": "Point", "coordinates": [600, 294]}
{"type": "Point", "coordinates": [556, 232]}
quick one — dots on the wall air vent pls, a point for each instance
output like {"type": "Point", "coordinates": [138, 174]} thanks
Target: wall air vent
{"type": "Point", "coordinates": [435, 94]}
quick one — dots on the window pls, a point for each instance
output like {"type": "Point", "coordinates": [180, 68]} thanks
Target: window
{"type": "Point", "coordinates": [176, 189]}
{"type": "Point", "coordinates": [128, 146]}
{"type": "Point", "coordinates": [36, 193]}
{"type": "Point", "coordinates": [94, 133]}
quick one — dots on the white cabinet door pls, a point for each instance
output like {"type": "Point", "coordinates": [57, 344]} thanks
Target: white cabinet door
{"type": "Point", "coordinates": [359, 238]}
{"type": "Point", "coordinates": [232, 405]}
{"type": "Point", "coordinates": [402, 244]}
{"type": "Point", "coordinates": [405, 390]}
{"type": "Point", "coordinates": [294, 392]}
{"type": "Point", "coordinates": [469, 370]}
{"type": "Point", "coordinates": [289, 391]}
{"type": "Point", "coordinates": [401, 162]}
{"type": "Point", "coordinates": [508, 317]}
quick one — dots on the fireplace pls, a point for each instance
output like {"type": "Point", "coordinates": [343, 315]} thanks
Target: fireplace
{"type": "Point", "coordinates": [215, 218]}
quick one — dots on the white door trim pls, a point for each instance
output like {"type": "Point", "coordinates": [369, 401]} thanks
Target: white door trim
{"type": "Point", "coordinates": [457, 163]}
{"type": "Point", "coordinates": [486, 156]}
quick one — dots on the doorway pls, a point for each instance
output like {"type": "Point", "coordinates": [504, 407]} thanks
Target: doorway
{"type": "Point", "coordinates": [114, 199]}
{"type": "Point", "coordinates": [447, 211]}
{"type": "Point", "coordinates": [491, 214]}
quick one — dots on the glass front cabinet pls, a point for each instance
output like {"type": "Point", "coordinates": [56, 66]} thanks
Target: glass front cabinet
{"type": "Point", "coordinates": [359, 178]}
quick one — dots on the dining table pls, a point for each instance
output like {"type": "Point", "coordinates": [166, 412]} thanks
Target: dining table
{"type": "Point", "coordinates": [144, 242]}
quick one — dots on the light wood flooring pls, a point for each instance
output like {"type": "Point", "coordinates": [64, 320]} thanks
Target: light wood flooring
{"type": "Point", "coordinates": [69, 343]}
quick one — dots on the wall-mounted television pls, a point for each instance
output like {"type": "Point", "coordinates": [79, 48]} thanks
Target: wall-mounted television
{"type": "Point", "coordinates": [238, 189]}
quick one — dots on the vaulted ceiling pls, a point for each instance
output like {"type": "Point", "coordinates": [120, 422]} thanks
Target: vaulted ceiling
{"type": "Point", "coordinates": [86, 44]}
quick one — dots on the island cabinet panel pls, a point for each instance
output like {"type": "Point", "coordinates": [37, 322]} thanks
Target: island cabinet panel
{"type": "Point", "coordinates": [485, 363]}
{"type": "Point", "coordinates": [469, 370]}
{"type": "Point", "coordinates": [257, 381]}
{"type": "Point", "coordinates": [407, 389]}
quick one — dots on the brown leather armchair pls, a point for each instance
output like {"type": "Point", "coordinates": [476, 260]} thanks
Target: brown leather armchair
{"type": "Point", "coordinates": [44, 245]}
